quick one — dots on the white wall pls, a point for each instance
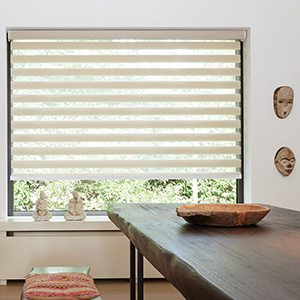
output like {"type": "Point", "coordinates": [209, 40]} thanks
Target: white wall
{"type": "Point", "coordinates": [274, 48]}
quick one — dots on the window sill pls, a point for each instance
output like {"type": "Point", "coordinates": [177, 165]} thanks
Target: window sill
{"type": "Point", "coordinates": [57, 223]}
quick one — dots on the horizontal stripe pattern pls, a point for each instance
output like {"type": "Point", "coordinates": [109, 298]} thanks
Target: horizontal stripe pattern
{"type": "Point", "coordinates": [117, 105]}
{"type": "Point", "coordinates": [120, 175]}
{"type": "Point", "coordinates": [126, 85]}
{"type": "Point", "coordinates": [124, 45]}
{"type": "Point", "coordinates": [124, 150]}
{"type": "Point", "coordinates": [128, 164]}
{"type": "Point", "coordinates": [125, 59]}
{"type": "Point", "coordinates": [127, 72]}
{"type": "Point", "coordinates": [140, 98]}
{"type": "Point", "coordinates": [125, 111]}
{"type": "Point", "coordinates": [232, 137]}
{"type": "Point", "coordinates": [125, 124]}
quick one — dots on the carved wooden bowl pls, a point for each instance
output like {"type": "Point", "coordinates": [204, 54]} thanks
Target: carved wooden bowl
{"type": "Point", "coordinates": [226, 215]}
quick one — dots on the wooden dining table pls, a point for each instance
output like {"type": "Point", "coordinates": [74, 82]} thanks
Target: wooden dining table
{"type": "Point", "coordinates": [211, 263]}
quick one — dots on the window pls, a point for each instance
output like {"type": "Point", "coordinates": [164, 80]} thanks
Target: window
{"type": "Point", "coordinates": [107, 105]}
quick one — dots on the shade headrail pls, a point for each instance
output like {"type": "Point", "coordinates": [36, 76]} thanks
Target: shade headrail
{"type": "Point", "coordinates": [137, 34]}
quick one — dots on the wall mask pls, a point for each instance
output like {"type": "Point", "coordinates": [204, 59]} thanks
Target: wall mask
{"type": "Point", "coordinates": [283, 101]}
{"type": "Point", "coordinates": [285, 161]}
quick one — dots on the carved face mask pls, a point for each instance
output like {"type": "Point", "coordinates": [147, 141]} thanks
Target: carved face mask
{"type": "Point", "coordinates": [283, 101]}
{"type": "Point", "coordinates": [285, 161]}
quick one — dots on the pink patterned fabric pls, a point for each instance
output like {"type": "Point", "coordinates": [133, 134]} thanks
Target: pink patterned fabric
{"type": "Point", "coordinates": [60, 286]}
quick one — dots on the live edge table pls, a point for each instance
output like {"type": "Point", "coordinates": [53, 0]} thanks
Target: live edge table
{"type": "Point", "coordinates": [208, 263]}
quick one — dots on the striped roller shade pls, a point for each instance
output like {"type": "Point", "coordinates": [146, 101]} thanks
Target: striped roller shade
{"type": "Point", "coordinates": [125, 104]}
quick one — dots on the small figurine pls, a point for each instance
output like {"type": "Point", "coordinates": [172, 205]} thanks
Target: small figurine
{"type": "Point", "coordinates": [41, 206]}
{"type": "Point", "coordinates": [285, 161]}
{"type": "Point", "coordinates": [283, 101]}
{"type": "Point", "coordinates": [75, 210]}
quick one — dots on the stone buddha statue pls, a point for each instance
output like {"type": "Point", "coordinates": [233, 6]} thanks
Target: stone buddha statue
{"type": "Point", "coordinates": [75, 209]}
{"type": "Point", "coordinates": [42, 213]}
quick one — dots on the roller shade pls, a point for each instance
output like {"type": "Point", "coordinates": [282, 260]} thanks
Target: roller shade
{"type": "Point", "coordinates": [125, 104]}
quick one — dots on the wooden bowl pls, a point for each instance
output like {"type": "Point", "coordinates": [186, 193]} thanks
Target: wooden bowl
{"type": "Point", "coordinates": [226, 215]}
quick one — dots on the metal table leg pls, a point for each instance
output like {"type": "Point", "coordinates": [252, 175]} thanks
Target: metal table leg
{"type": "Point", "coordinates": [132, 271]}
{"type": "Point", "coordinates": [140, 277]}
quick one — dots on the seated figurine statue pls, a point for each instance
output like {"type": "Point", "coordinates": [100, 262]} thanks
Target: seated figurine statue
{"type": "Point", "coordinates": [75, 210]}
{"type": "Point", "coordinates": [41, 206]}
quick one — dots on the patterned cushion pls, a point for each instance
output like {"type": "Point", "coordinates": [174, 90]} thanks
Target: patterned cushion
{"type": "Point", "coordinates": [60, 286]}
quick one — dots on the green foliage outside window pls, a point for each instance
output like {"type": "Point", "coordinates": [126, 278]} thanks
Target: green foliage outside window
{"type": "Point", "coordinates": [98, 194]}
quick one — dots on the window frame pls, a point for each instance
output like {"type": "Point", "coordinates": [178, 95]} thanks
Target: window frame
{"type": "Point", "coordinates": [240, 183]}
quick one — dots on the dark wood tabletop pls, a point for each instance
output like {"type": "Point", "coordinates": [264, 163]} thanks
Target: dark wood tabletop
{"type": "Point", "coordinates": [243, 263]}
